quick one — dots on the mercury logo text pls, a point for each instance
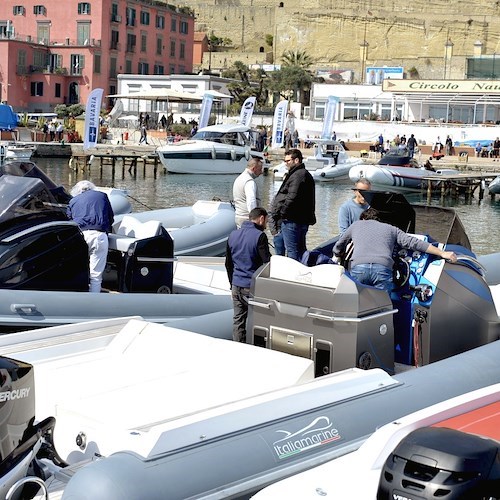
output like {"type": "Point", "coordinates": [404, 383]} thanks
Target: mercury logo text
{"type": "Point", "coordinates": [14, 394]}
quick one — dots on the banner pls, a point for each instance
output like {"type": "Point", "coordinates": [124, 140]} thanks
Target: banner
{"type": "Point", "coordinates": [206, 108]}
{"type": "Point", "coordinates": [92, 110]}
{"type": "Point", "coordinates": [247, 111]}
{"type": "Point", "coordinates": [331, 108]}
{"type": "Point", "coordinates": [279, 124]}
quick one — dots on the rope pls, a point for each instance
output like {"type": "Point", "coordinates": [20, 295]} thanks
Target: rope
{"type": "Point", "coordinates": [138, 201]}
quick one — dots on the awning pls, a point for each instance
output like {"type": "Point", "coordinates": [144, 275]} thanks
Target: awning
{"type": "Point", "coordinates": [160, 95]}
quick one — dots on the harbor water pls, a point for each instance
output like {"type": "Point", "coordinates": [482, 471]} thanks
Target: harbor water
{"type": "Point", "coordinates": [481, 218]}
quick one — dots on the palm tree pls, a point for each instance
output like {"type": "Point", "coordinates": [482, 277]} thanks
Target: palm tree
{"type": "Point", "coordinates": [298, 58]}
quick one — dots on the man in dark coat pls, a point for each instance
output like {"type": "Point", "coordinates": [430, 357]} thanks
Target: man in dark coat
{"type": "Point", "coordinates": [293, 208]}
{"type": "Point", "coordinates": [247, 249]}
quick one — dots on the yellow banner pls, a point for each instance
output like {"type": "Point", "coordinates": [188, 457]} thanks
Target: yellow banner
{"type": "Point", "coordinates": [443, 86]}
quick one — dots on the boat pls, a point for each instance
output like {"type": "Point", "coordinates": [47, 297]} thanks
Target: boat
{"type": "Point", "coordinates": [418, 454]}
{"type": "Point", "coordinates": [436, 310]}
{"type": "Point", "coordinates": [198, 230]}
{"type": "Point", "coordinates": [16, 151]}
{"type": "Point", "coordinates": [216, 149]}
{"type": "Point", "coordinates": [329, 161]}
{"type": "Point", "coordinates": [112, 436]}
{"type": "Point", "coordinates": [397, 171]}
{"type": "Point", "coordinates": [494, 185]}
{"type": "Point", "coordinates": [44, 267]}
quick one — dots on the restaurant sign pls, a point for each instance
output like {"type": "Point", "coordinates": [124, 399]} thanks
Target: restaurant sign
{"type": "Point", "coordinates": [443, 86]}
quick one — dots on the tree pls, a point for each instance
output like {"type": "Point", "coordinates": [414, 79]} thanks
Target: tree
{"type": "Point", "coordinates": [291, 80]}
{"type": "Point", "coordinates": [298, 58]}
{"type": "Point", "coordinates": [250, 83]}
{"type": "Point", "coordinates": [269, 40]}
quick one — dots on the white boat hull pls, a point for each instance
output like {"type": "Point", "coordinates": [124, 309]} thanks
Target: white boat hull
{"type": "Point", "coordinates": [395, 178]}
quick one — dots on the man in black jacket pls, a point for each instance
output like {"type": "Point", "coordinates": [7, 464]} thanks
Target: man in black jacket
{"type": "Point", "coordinates": [293, 208]}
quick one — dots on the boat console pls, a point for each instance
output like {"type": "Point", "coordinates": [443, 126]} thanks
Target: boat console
{"type": "Point", "coordinates": [437, 309]}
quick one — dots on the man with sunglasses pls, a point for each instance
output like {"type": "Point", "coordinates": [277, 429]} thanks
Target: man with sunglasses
{"type": "Point", "coordinates": [293, 208]}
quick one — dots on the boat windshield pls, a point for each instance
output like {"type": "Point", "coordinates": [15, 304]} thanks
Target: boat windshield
{"type": "Point", "coordinates": [231, 138]}
{"type": "Point", "coordinates": [21, 196]}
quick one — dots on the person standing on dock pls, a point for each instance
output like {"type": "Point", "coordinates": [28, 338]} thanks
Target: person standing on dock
{"type": "Point", "coordinates": [246, 194]}
{"type": "Point", "coordinates": [412, 145]}
{"type": "Point", "coordinates": [93, 213]}
{"type": "Point", "coordinates": [144, 134]}
{"type": "Point", "coordinates": [247, 249]}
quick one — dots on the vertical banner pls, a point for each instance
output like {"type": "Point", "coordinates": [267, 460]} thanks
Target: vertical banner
{"type": "Point", "coordinates": [92, 110]}
{"type": "Point", "coordinates": [247, 111]}
{"type": "Point", "coordinates": [331, 108]}
{"type": "Point", "coordinates": [206, 108]}
{"type": "Point", "coordinates": [279, 124]}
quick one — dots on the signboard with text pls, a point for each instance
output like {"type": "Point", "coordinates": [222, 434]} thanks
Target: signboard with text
{"type": "Point", "coordinates": [443, 86]}
{"type": "Point", "coordinates": [376, 75]}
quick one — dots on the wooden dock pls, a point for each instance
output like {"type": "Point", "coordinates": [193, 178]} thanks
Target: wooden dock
{"type": "Point", "coordinates": [456, 184]}
{"type": "Point", "coordinates": [120, 161]}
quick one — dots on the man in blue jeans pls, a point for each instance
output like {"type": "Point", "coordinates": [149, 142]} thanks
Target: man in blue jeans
{"type": "Point", "coordinates": [293, 207]}
{"type": "Point", "coordinates": [247, 249]}
{"type": "Point", "coordinates": [374, 242]}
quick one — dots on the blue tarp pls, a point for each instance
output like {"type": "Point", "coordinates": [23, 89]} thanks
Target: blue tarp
{"type": "Point", "coordinates": [8, 119]}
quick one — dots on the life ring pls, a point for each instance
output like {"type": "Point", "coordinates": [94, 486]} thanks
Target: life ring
{"type": "Point", "coordinates": [214, 153]}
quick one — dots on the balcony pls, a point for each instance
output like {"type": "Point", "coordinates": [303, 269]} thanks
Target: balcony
{"type": "Point", "coordinates": [114, 46]}
{"type": "Point", "coordinates": [115, 18]}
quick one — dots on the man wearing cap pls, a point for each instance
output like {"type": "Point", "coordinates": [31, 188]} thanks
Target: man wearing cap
{"type": "Point", "coordinates": [93, 213]}
{"type": "Point", "coordinates": [351, 210]}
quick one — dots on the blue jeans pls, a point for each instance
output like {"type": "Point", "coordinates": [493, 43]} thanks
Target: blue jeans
{"type": "Point", "coordinates": [375, 275]}
{"type": "Point", "coordinates": [294, 237]}
{"type": "Point", "coordinates": [279, 244]}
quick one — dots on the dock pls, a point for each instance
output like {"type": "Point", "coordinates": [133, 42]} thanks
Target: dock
{"type": "Point", "coordinates": [456, 184]}
{"type": "Point", "coordinates": [120, 159]}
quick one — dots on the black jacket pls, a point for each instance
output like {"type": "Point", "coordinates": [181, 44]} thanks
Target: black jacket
{"type": "Point", "coordinates": [296, 197]}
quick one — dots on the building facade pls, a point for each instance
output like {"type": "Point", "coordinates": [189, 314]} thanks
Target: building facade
{"type": "Point", "coordinates": [56, 53]}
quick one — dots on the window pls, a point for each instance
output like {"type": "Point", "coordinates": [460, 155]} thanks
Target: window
{"type": "Point", "coordinates": [131, 42]}
{"type": "Point", "coordinates": [77, 64]}
{"type": "Point", "coordinates": [130, 16]}
{"type": "Point", "coordinates": [172, 48]}
{"type": "Point", "coordinates": [182, 70]}
{"type": "Point", "coordinates": [57, 91]}
{"type": "Point", "coordinates": [144, 17]}
{"type": "Point", "coordinates": [115, 18]}
{"type": "Point", "coordinates": [97, 63]}
{"type": "Point", "coordinates": [173, 25]}
{"type": "Point", "coordinates": [37, 89]}
{"type": "Point", "coordinates": [184, 28]}
{"type": "Point", "coordinates": [39, 59]}
{"type": "Point", "coordinates": [18, 10]}
{"type": "Point", "coordinates": [128, 66]}
{"type": "Point", "coordinates": [159, 46]}
{"type": "Point", "coordinates": [112, 67]}
{"type": "Point", "coordinates": [182, 51]}
{"type": "Point", "coordinates": [144, 42]}
{"type": "Point", "coordinates": [83, 33]}
{"type": "Point", "coordinates": [172, 69]}
{"type": "Point", "coordinates": [22, 63]}
{"type": "Point", "coordinates": [39, 10]}
{"type": "Point", "coordinates": [115, 35]}
{"type": "Point", "coordinates": [143, 69]}
{"type": "Point", "coordinates": [159, 69]}
{"type": "Point", "coordinates": [84, 8]}
{"type": "Point", "coordinates": [43, 33]}
{"type": "Point", "coordinates": [160, 22]}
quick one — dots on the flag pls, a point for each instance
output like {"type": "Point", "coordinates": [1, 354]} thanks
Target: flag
{"type": "Point", "coordinates": [206, 107]}
{"type": "Point", "coordinates": [247, 111]}
{"type": "Point", "coordinates": [331, 107]}
{"type": "Point", "coordinates": [279, 124]}
{"type": "Point", "coordinates": [92, 110]}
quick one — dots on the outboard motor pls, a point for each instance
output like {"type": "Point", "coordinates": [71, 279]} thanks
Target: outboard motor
{"type": "Point", "coordinates": [40, 249]}
{"type": "Point", "coordinates": [436, 462]}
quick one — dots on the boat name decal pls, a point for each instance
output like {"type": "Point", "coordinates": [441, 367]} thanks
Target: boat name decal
{"type": "Point", "coordinates": [14, 394]}
{"type": "Point", "coordinates": [317, 433]}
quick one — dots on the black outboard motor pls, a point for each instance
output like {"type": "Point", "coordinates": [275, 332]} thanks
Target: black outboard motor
{"type": "Point", "coordinates": [40, 249]}
{"type": "Point", "coordinates": [434, 462]}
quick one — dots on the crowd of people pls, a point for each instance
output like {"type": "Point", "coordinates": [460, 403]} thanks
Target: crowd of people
{"type": "Point", "coordinates": [291, 213]}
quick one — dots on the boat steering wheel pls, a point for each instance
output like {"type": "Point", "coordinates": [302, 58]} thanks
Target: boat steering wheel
{"type": "Point", "coordinates": [400, 272]}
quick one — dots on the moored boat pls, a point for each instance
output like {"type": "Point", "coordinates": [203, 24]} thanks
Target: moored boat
{"type": "Point", "coordinates": [494, 185]}
{"type": "Point", "coordinates": [216, 149]}
{"type": "Point", "coordinates": [397, 171]}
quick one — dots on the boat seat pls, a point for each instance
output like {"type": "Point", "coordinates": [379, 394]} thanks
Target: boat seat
{"type": "Point", "coordinates": [129, 229]}
{"type": "Point", "coordinates": [205, 209]}
{"type": "Point", "coordinates": [287, 269]}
